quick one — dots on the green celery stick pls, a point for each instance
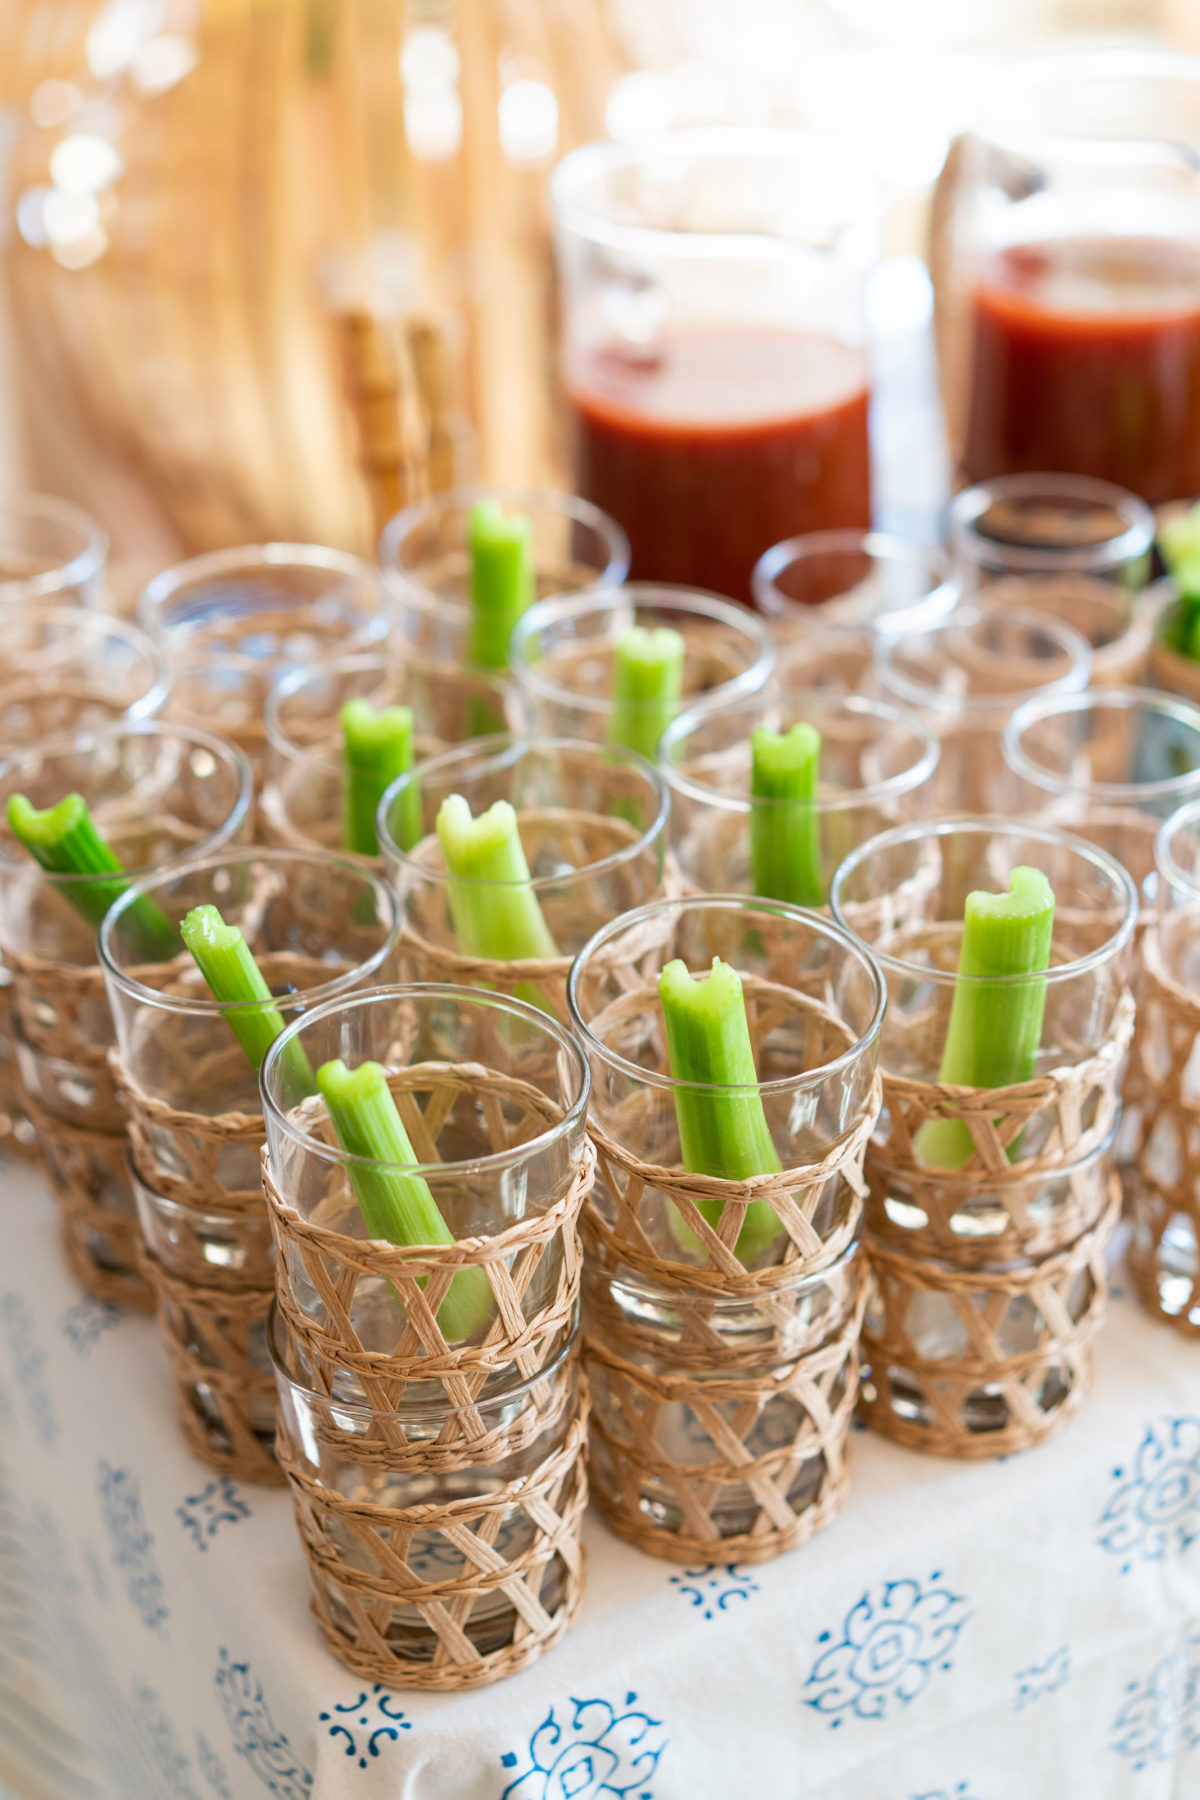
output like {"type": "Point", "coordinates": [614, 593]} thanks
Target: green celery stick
{"type": "Point", "coordinates": [377, 747]}
{"type": "Point", "coordinates": [502, 580]}
{"type": "Point", "coordinates": [63, 840]}
{"type": "Point", "coordinates": [995, 1028]}
{"type": "Point", "coordinates": [785, 832]}
{"type": "Point", "coordinates": [708, 1041]}
{"type": "Point", "coordinates": [495, 910]}
{"type": "Point", "coordinates": [647, 684]}
{"type": "Point", "coordinates": [227, 964]}
{"type": "Point", "coordinates": [396, 1208]}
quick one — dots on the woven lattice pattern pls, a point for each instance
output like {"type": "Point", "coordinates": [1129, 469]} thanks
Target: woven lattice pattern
{"type": "Point", "coordinates": [370, 1308]}
{"type": "Point", "coordinates": [62, 1010]}
{"type": "Point", "coordinates": [453, 1594]}
{"type": "Point", "coordinates": [981, 1362]}
{"type": "Point", "coordinates": [89, 1174]}
{"type": "Point", "coordinates": [1165, 1189]}
{"type": "Point", "coordinates": [702, 1462]}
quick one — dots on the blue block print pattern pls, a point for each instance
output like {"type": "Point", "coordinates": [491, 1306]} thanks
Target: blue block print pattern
{"type": "Point", "coordinates": [892, 1644]}
{"type": "Point", "coordinates": [86, 1322]}
{"type": "Point", "coordinates": [204, 1513]}
{"type": "Point", "coordinates": [596, 1751]}
{"type": "Point", "coordinates": [1043, 1678]}
{"type": "Point", "coordinates": [1155, 1509]}
{"type": "Point", "coordinates": [714, 1586]}
{"type": "Point", "coordinates": [27, 1360]}
{"type": "Point", "coordinates": [255, 1738]}
{"type": "Point", "coordinates": [212, 1768]}
{"type": "Point", "coordinates": [368, 1724]}
{"type": "Point", "coordinates": [158, 1739]}
{"type": "Point", "coordinates": [1161, 1715]}
{"type": "Point", "coordinates": [961, 1792]}
{"type": "Point", "coordinates": [131, 1545]}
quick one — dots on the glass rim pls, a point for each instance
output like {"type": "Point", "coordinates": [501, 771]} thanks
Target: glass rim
{"type": "Point", "coordinates": [206, 1004]}
{"type": "Point", "coordinates": [665, 596]}
{"type": "Point", "coordinates": [82, 565]}
{"type": "Point", "coordinates": [880, 547]}
{"type": "Point", "coordinates": [518, 743]}
{"type": "Point", "coordinates": [906, 689]}
{"type": "Point", "coordinates": [572, 213]}
{"type": "Point", "coordinates": [409, 587]}
{"type": "Point", "coordinates": [551, 1371]}
{"type": "Point", "coordinates": [838, 800]}
{"type": "Point", "coordinates": [220, 749]}
{"type": "Point", "coordinates": [399, 992]}
{"type": "Point", "coordinates": [1128, 700]}
{"type": "Point", "coordinates": [1077, 61]}
{"type": "Point", "coordinates": [978, 825]}
{"type": "Point", "coordinates": [92, 621]}
{"type": "Point", "coordinates": [803, 1277]}
{"type": "Point", "coordinates": [820, 926]}
{"type": "Point", "coordinates": [293, 677]}
{"type": "Point", "coordinates": [1184, 818]}
{"type": "Point", "coordinates": [162, 588]}
{"type": "Point", "coordinates": [968, 506]}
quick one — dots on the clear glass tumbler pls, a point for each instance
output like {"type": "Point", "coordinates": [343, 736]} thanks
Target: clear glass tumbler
{"type": "Point", "coordinates": [1075, 549]}
{"type": "Point", "coordinates": [50, 550]}
{"type": "Point", "coordinates": [966, 677]}
{"type": "Point", "coordinates": [877, 765]}
{"type": "Point", "coordinates": [593, 827]}
{"type": "Point", "coordinates": [229, 622]}
{"type": "Point", "coordinates": [814, 1007]}
{"type": "Point", "coordinates": [852, 578]}
{"type": "Point", "coordinates": [562, 655]}
{"type": "Point", "coordinates": [714, 343]}
{"type": "Point", "coordinates": [493, 1095]}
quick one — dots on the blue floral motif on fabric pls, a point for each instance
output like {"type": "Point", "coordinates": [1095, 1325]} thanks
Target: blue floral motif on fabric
{"type": "Point", "coordinates": [86, 1322]}
{"type": "Point", "coordinates": [255, 1738]}
{"type": "Point", "coordinates": [595, 1753]}
{"type": "Point", "coordinates": [131, 1544]}
{"type": "Point", "coordinates": [1043, 1678]}
{"type": "Point", "coordinates": [1162, 1713]}
{"type": "Point", "coordinates": [1155, 1510]}
{"type": "Point", "coordinates": [892, 1644]}
{"type": "Point", "coordinates": [157, 1737]}
{"type": "Point", "coordinates": [27, 1361]}
{"type": "Point", "coordinates": [713, 1586]}
{"type": "Point", "coordinates": [204, 1513]}
{"type": "Point", "coordinates": [961, 1792]}
{"type": "Point", "coordinates": [376, 1718]}
{"type": "Point", "coordinates": [212, 1768]}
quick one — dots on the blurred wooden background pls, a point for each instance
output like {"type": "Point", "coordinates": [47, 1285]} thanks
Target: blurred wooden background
{"type": "Point", "coordinates": [272, 267]}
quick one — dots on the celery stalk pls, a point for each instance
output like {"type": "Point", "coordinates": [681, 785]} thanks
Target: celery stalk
{"type": "Point", "coordinates": [502, 587]}
{"type": "Point", "coordinates": [397, 1208]}
{"type": "Point", "coordinates": [785, 832]}
{"type": "Point", "coordinates": [377, 747]}
{"type": "Point", "coordinates": [995, 1028]}
{"type": "Point", "coordinates": [647, 684]}
{"type": "Point", "coordinates": [227, 964]}
{"type": "Point", "coordinates": [63, 840]}
{"type": "Point", "coordinates": [495, 910]}
{"type": "Point", "coordinates": [723, 1134]}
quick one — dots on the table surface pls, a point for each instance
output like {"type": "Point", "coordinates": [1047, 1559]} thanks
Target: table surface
{"type": "Point", "coordinates": [1024, 1628]}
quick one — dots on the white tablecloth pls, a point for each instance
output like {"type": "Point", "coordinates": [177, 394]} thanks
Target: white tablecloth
{"type": "Point", "coordinates": [1008, 1631]}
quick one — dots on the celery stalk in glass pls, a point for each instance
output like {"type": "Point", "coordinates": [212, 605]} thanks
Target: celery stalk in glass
{"type": "Point", "coordinates": [492, 902]}
{"type": "Point", "coordinates": [502, 587]}
{"type": "Point", "coordinates": [995, 1027]}
{"type": "Point", "coordinates": [397, 1208]}
{"type": "Point", "coordinates": [785, 831]}
{"type": "Point", "coordinates": [647, 685]}
{"type": "Point", "coordinates": [63, 840]}
{"type": "Point", "coordinates": [722, 1134]}
{"type": "Point", "coordinates": [377, 747]}
{"type": "Point", "coordinates": [232, 976]}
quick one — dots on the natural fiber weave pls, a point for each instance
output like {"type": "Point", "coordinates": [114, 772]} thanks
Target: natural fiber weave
{"type": "Point", "coordinates": [62, 1009]}
{"type": "Point", "coordinates": [199, 1146]}
{"type": "Point", "coordinates": [389, 1620]}
{"type": "Point", "coordinates": [703, 1463]}
{"type": "Point", "coordinates": [1164, 1189]}
{"type": "Point", "coordinates": [1074, 1106]}
{"type": "Point", "coordinates": [1018, 1344]}
{"type": "Point", "coordinates": [818, 1204]}
{"type": "Point", "coordinates": [532, 1266]}
{"type": "Point", "coordinates": [215, 1336]}
{"type": "Point", "coordinates": [576, 839]}
{"type": "Point", "coordinates": [89, 1175]}
{"type": "Point", "coordinates": [17, 1135]}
